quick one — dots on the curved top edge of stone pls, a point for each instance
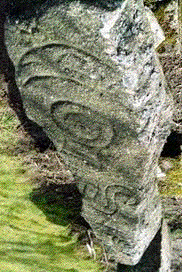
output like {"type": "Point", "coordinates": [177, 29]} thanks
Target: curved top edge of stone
{"type": "Point", "coordinates": [27, 9]}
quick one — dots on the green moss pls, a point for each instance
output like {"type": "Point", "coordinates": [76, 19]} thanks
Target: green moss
{"type": "Point", "coordinates": [172, 185]}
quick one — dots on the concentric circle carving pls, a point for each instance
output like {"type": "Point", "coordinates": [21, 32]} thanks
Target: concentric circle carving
{"type": "Point", "coordinates": [82, 124]}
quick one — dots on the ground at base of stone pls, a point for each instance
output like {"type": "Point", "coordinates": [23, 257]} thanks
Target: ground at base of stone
{"type": "Point", "coordinates": [55, 177]}
{"type": "Point", "coordinates": [172, 212]}
{"type": "Point", "coordinates": [150, 261]}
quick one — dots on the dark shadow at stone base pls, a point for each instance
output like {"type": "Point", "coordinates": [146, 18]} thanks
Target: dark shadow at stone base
{"type": "Point", "coordinates": [150, 261]}
{"type": "Point", "coordinates": [61, 203]}
{"type": "Point", "coordinates": [172, 146]}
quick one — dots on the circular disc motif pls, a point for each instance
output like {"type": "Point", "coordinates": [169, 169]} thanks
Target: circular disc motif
{"type": "Point", "coordinates": [82, 124]}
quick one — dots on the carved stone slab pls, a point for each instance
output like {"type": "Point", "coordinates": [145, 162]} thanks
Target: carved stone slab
{"type": "Point", "coordinates": [88, 74]}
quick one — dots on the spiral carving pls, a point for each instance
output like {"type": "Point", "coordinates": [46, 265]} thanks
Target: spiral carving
{"type": "Point", "coordinates": [82, 124]}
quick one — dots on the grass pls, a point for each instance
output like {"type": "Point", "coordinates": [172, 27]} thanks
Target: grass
{"type": "Point", "coordinates": [29, 241]}
{"type": "Point", "coordinates": [8, 122]}
{"type": "Point", "coordinates": [172, 185]}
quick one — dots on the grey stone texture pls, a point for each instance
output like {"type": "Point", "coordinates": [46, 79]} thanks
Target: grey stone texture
{"type": "Point", "coordinates": [157, 257]}
{"type": "Point", "coordinates": [172, 212]}
{"type": "Point", "coordinates": [89, 75]}
{"type": "Point", "coordinates": [165, 264]}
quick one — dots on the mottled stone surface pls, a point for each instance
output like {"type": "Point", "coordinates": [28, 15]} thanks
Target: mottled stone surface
{"type": "Point", "coordinates": [157, 257]}
{"type": "Point", "coordinates": [89, 75]}
{"type": "Point", "coordinates": [158, 33]}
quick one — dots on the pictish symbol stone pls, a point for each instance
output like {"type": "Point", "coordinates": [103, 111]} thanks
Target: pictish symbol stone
{"type": "Point", "coordinates": [91, 79]}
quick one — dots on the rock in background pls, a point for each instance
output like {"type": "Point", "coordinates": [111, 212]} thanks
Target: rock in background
{"type": "Point", "coordinates": [168, 14]}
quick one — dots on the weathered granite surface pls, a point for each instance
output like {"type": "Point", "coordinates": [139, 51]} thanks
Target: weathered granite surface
{"type": "Point", "coordinates": [157, 257]}
{"type": "Point", "coordinates": [88, 74]}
